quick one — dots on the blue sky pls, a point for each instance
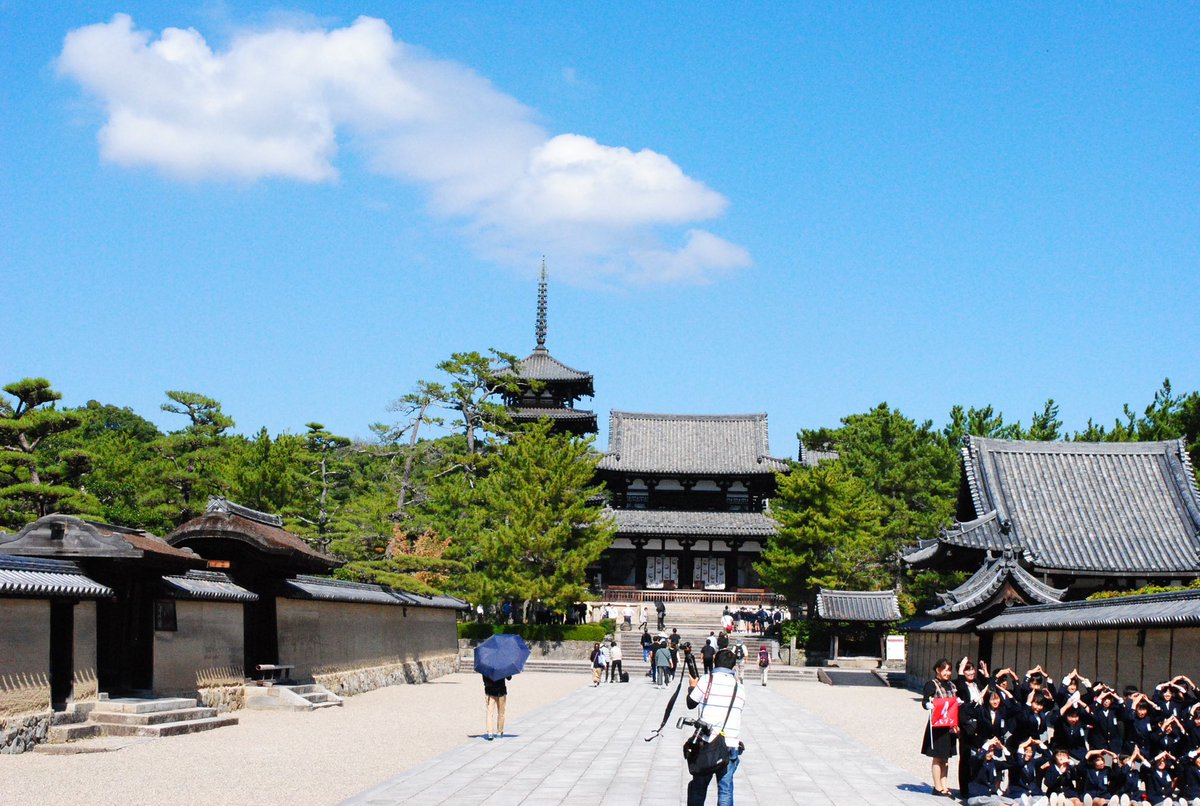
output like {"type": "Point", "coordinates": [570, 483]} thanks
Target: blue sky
{"type": "Point", "coordinates": [782, 208]}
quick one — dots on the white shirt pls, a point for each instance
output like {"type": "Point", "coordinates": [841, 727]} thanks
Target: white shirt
{"type": "Point", "coordinates": [713, 710]}
{"type": "Point", "coordinates": [614, 652]}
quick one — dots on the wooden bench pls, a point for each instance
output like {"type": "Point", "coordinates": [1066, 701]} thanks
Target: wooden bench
{"type": "Point", "coordinates": [271, 673]}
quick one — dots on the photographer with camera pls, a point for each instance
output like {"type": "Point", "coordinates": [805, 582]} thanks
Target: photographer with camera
{"type": "Point", "coordinates": [715, 747]}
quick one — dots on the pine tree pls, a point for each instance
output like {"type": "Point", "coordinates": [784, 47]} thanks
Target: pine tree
{"type": "Point", "coordinates": [831, 534]}
{"type": "Point", "coordinates": [34, 480]}
{"type": "Point", "coordinates": [536, 524]}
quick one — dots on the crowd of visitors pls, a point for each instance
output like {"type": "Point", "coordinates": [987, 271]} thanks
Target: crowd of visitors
{"type": "Point", "coordinates": [1029, 739]}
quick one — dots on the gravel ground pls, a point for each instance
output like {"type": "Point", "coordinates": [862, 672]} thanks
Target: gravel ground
{"type": "Point", "coordinates": [320, 757]}
{"type": "Point", "coordinates": [889, 721]}
{"type": "Point", "coordinates": [326, 756]}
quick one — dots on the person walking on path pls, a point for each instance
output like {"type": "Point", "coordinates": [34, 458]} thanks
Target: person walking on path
{"type": "Point", "coordinates": [721, 701]}
{"type": "Point", "coordinates": [597, 658]}
{"type": "Point", "coordinates": [739, 655]}
{"type": "Point", "coordinates": [627, 617]}
{"type": "Point", "coordinates": [614, 663]}
{"type": "Point", "coordinates": [939, 743]}
{"type": "Point", "coordinates": [661, 609]}
{"type": "Point", "coordinates": [647, 647]}
{"type": "Point", "coordinates": [662, 661]}
{"type": "Point", "coordinates": [495, 694]}
{"type": "Point", "coordinates": [645, 625]}
{"type": "Point", "coordinates": [764, 662]}
{"type": "Point", "coordinates": [707, 653]}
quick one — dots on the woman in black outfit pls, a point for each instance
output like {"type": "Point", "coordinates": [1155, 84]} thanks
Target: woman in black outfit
{"type": "Point", "coordinates": [939, 743]}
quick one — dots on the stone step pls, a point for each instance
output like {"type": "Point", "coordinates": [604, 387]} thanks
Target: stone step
{"type": "Point", "coordinates": [317, 697]}
{"type": "Point", "coordinates": [152, 717]}
{"type": "Point", "coordinates": [140, 705]}
{"type": "Point", "coordinates": [71, 732]}
{"type": "Point", "coordinates": [171, 728]}
{"type": "Point", "coordinates": [305, 688]}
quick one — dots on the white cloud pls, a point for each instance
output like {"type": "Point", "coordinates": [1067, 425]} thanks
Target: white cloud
{"type": "Point", "coordinates": [277, 103]}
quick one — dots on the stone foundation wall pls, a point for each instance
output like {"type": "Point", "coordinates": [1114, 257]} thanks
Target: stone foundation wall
{"type": "Point", "coordinates": [348, 682]}
{"type": "Point", "coordinates": [20, 734]}
{"type": "Point", "coordinates": [223, 698]}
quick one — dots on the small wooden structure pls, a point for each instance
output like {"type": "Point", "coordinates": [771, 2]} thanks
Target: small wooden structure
{"type": "Point", "coordinates": [858, 621]}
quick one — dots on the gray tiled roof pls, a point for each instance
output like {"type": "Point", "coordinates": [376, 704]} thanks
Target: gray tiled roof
{"type": "Point", "coordinates": [857, 605]}
{"type": "Point", "coordinates": [985, 583]}
{"type": "Point", "coordinates": [208, 585]}
{"type": "Point", "coordinates": [530, 413]}
{"type": "Point", "coordinates": [1153, 610]}
{"type": "Point", "coordinates": [921, 553]}
{"type": "Point", "coordinates": [541, 366]}
{"type": "Point", "coordinates": [708, 524]}
{"type": "Point", "coordinates": [37, 577]}
{"type": "Point", "coordinates": [810, 457]}
{"type": "Point", "coordinates": [339, 590]}
{"type": "Point", "coordinates": [734, 444]}
{"type": "Point", "coordinates": [927, 624]}
{"type": "Point", "coordinates": [1124, 509]}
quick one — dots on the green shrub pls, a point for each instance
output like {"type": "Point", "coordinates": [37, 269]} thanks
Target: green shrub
{"type": "Point", "coordinates": [1193, 585]}
{"type": "Point", "coordinates": [535, 632]}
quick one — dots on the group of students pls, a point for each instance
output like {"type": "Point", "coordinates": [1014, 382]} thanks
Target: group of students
{"type": "Point", "coordinates": [750, 621]}
{"type": "Point", "coordinates": [664, 653]}
{"type": "Point", "coordinates": [1027, 740]}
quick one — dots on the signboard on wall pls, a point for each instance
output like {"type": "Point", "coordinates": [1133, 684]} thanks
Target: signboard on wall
{"type": "Point", "coordinates": [895, 648]}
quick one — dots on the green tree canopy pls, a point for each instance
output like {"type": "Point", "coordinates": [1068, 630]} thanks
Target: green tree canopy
{"type": "Point", "coordinates": [533, 525]}
{"type": "Point", "coordinates": [36, 479]}
{"type": "Point", "coordinates": [831, 534]}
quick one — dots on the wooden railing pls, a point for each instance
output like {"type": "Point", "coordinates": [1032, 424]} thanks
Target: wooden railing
{"type": "Point", "coordinates": [745, 597]}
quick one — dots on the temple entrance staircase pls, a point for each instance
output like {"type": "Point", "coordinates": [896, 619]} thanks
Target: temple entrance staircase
{"type": "Point", "coordinates": [694, 621]}
{"type": "Point", "coordinates": [136, 716]}
{"type": "Point", "coordinates": [282, 697]}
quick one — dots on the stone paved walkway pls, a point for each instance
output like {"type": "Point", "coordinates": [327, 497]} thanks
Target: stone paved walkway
{"type": "Point", "coordinates": [588, 749]}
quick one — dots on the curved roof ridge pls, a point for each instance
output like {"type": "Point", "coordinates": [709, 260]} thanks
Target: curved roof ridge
{"type": "Point", "coordinates": [642, 415]}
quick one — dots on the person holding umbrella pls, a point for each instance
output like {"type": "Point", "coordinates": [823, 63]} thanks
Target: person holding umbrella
{"type": "Point", "coordinates": [497, 659]}
{"type": "Point", "coordinates": [495, 693]}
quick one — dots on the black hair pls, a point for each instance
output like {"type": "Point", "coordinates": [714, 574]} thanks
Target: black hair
{"type": "Point", "coordinates": [943, 663]}
{"type": "Point", "coordinates": [724, 659]}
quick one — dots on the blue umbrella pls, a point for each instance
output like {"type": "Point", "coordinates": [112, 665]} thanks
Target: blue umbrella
{"type": "Point", "coordinates": [501, 656]}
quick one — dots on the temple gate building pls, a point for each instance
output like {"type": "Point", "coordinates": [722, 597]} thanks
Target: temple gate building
{"type": "Point", "coordinates": [689, 494]}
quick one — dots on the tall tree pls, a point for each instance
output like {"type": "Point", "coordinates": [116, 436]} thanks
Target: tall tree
{"type": "Point", "coordinates": [326, 483]}
{"type": "Point", "coordinates": [910, 466]}
{"type": "Point", "coordinates": [984, 422]}
{"type": "Point", "coordinates": [537, 523]}
{"type": "Point", "coordinates": [1044, 426]}
{"type": "Point", "coordinates": [33, 480]}
{"type": "Point", "coordinates": [188, 469]}
{"type": "Point", "coordinates": [831, 534]}
{"type": "Point", "coordinates": [476, 381]}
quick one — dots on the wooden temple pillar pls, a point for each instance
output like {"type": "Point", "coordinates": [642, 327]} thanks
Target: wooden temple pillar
{"type": "Point", "coordinates": [731, 567]}
{"type": "Point", "coordinates": [687, 564]}
{"type": "Point", "coordinates": [639, 564]}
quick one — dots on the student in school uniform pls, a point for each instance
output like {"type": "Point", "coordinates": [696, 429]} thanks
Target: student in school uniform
{"type": "Point", "coordinates": [970, 685]}
{"type": "Point", "coordinates": [993, 717]}
{"type": "Point", "coordinates": [987, 766]}
{"type": "Point", "coordinates": [1071, 731]}
{"type": "Point", "coordinates": [1188, 782]}
{"type": "Point", "coordinates": [1141, 728]}
{"type": "Point", "coordinates": [1096, 781]}
{"type": "Point", "coordinates": [1107, 729]}
{"type": "Point", "coordinates": [940, 744]}
{"type": "Point", "coordinates": [1025, 774]}
{"type": "Point", "coordinates": [1062, 784]}
{"type": "Point", "coordinates": [1158, 778]}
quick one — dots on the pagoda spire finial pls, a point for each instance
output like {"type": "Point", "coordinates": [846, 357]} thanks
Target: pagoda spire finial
{"type": "Point", "coordinates": [540, 330]}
